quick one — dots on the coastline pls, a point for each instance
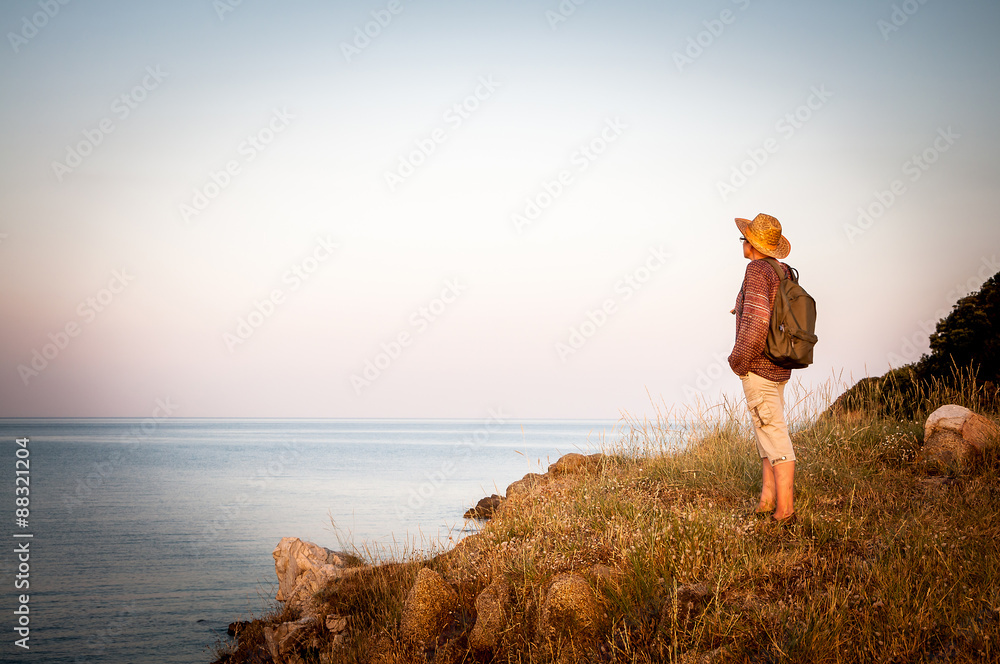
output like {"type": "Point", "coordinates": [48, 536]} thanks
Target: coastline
{"type": "Point", "coordinates": [637, 557]}
{"type": "Point", "coordinates": [200, 505]}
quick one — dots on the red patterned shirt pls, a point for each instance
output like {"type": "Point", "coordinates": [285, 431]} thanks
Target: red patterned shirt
{"type": "Point", "coordinates": [753, 316]}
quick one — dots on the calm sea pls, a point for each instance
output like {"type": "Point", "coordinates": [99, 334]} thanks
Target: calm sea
{"type": "Point", "coordinates": [148, 539]}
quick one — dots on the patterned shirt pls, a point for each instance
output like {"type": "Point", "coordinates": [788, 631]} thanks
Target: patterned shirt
{"type": "Point", "coordinates": [753, 317]}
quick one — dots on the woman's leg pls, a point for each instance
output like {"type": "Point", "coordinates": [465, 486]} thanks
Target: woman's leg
{"type": "Point", "coordinates": [768, 495]}
{"type": "Point", "coordinates": [766, 402]}
{"type": "Point", "coordinates": [784, 480]}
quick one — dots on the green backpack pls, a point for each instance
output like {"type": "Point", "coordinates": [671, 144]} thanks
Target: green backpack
{"type": "Point", "coordinates": [792, 332]}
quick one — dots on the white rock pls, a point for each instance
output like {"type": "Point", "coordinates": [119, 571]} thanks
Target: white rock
{"type": "Point", "coordinates": [284, 640]}
{"type": "Point", "coordinates": [303, 568]}
{"type": "Point", "coordinates": [336, 623]}
{"type": "Point", "coordinates": [952, 434]}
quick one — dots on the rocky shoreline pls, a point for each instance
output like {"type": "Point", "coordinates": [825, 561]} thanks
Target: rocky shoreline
{"type": "Point", "coordinates": [436, 625]}
{"type": "Point", "coordinates": [305, 569]}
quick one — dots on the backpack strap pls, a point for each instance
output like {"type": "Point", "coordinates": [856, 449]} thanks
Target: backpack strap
{"type": "Point", "coordinates": [781, 273]}
{"type": "Point", "coordinates": [777, 267]}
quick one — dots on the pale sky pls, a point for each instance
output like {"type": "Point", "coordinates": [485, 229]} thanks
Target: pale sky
{"type": "Point", "coordinates": [434, 208]}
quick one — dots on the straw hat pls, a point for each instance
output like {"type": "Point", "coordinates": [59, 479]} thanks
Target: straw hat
{"type": "Point", "coordinates": [764, 233]}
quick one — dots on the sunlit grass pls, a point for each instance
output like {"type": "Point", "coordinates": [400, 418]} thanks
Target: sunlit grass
{"type": "Point", "coordinates": [886, 564]}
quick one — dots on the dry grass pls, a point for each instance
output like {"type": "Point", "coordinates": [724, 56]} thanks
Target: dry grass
{"type": "Point", "coordinates": [886, 564]}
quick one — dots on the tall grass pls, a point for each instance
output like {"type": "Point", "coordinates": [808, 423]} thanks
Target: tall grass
{"type": "Point", "coordinates": [886, 564]}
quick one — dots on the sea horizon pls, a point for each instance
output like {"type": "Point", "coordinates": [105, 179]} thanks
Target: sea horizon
{"type": "Point", "coordinates": [167, 538]}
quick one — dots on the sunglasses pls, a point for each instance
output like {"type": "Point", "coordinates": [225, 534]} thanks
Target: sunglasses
{"type": "Point", "coordinates": [743, 239]}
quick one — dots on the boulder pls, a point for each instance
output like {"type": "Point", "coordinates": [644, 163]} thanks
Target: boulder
{"type": "Point", "coordinates": [570, 610]}
{"type": "Point", "coordinates": [286, 640]}
{"type": "Point", "coordinates": [303, 568]}
{"type": "Point", "coordinates": [236, 627]}
{"type": "Point", "coordinates": [492, 606]}
{"type": "Point", "coordinates": [954, 435]}
{"type": "Point", "coordinates": [572, 463]}
{"type": "Point", "coordinates": [525, 484]}
{"type": "Point", "coordinates": [428, 609]}
{"type": "Point", "coordinates": [336, 625]}
{"type": "Point", "coordinates": [485, 508]}
{"type": "Point", "coordinates": [568, 464]}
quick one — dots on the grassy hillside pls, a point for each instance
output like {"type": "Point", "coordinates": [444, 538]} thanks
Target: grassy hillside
{"type": "Point", "coordinates": [888, 563]}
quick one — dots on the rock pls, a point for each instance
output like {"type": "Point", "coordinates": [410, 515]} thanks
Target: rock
{"type": "Point", "coordinates": [285, 640]}
{"type": "Point", "coordinates": [485, 508]}
{"type": "Point", "coordinates": [303, 568]}
{"type": "Point", "coordinates": [570, 610]}
{"type": "Point", "coordinates": [337, 626]}
{"type": "Point", "coordinates": [492, 607]}
{"type": "Point", "coordinates": [690, 600]}
{"type": "Point", "coordinates": [236, 627]}
{"type": "Point", "coordinates": [463, 562]}
{"type": "Point", "coordinates": [568, 464]}
{"type": "Point", "coordinates": [954, 434]}
{"type": "Point", "coordinates": [428, 609]}
{"type": "Point", "coordinates": [572, 463]}
{"type": "Point", "coordinates": [525, 484]}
